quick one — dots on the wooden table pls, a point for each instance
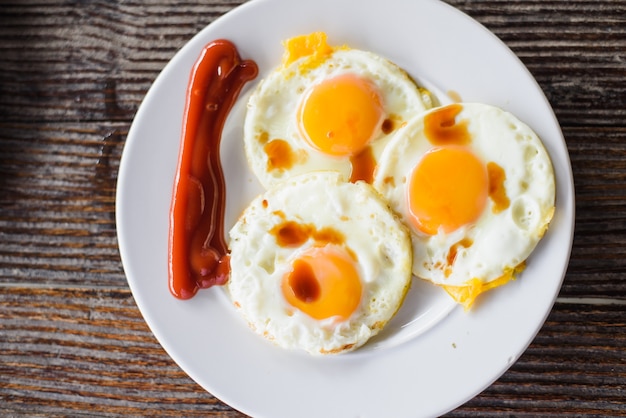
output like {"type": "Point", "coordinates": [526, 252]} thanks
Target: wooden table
{"type": "Point", "coordinates": [72, 75]}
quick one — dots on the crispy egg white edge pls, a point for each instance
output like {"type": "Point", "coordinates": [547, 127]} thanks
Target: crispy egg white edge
{"type": "Point", "coordinates": [258, 263]}
{"type": "Point", "coordinates": [491, 234]}
{"type": "Point", "coordinates": [273, 104]}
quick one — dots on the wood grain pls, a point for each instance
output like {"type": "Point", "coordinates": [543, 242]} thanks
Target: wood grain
{"type": "Point", "coordinates": [66, 349]}
{"type": "Point", "coordinates": [72, 76]}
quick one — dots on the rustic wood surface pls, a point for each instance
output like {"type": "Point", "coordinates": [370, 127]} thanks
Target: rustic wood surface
{"type": "Point", "coordinates": [72, 75]}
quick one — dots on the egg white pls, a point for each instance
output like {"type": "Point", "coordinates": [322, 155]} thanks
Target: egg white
{"type": "Point", "coordinates": [372, 232]}
{"type": "Point", "coordinates": [272, 108]}
{"type": "Point", "coordinates": [500, 242]}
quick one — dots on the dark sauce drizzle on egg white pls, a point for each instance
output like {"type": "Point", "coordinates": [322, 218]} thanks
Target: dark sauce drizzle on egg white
{"type": "Point", "coordinates": [442, 128]}
{"type": "Point", "coordinates": [280, 155]}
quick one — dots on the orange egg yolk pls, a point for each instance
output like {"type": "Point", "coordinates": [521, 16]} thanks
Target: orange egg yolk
{"type": "Point", "coordinates": [313, 45]}
{"type": "Point", "coordinates": [446, 190]}
{"type": "Point", "coordinates": [323, 283]}
{"type": "Point", "coordinates": [340, 116]}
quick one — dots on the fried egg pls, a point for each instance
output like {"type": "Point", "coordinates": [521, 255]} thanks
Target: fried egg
{"type": "Point", "coordinates": [326, 108]}
{"type": "Point", "coordinates": [319, 264]}
{"type": "Point", "coordinates": [476, 187]}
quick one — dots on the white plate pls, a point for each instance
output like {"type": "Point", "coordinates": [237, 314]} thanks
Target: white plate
{"type": "Point", "coordinates": [433, 356]}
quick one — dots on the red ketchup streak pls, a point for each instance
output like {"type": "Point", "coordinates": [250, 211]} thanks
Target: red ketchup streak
{"type": "Point", "coordinates": [198, 255]}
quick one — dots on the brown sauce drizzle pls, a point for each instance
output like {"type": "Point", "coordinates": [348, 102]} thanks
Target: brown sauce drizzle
{"type": "Point", "coordinates": [497, 192]}
{"type": "Point", "coordinates": [464, 243]}
{"type": "Point", "coordinates": [280, 156]}
{"type": "Point", "coordinates": [454, 250]}
{"type": "Point", "coordinates": [291, 234]}
{"type": "Point", "coordinates": [294, 234]}
{"type": "Point", "coordinates": [363, 166]}
{"type": "Point", "coordinates": [304, 283]}
{"type": "Point", "coordinates": [442, 128]}
{"type": "Point", "coordinates": [388, 126]}
{"type": "Point", "coordinates": [197, 248]}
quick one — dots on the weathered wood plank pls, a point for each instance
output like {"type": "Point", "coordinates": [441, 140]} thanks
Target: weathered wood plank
{"type": "Point", "coordinates": [85, 61]}
{"type": "Point", "coordinates": [57, 195]}
{"type": "Point", "coordinates": [576, 50]}
{"type": "Point", "coordinates": [67, 350]}
{"type": "Point", "coordinates": [574, 367]}
{"type": "Point", "coordinates": [94, 61]}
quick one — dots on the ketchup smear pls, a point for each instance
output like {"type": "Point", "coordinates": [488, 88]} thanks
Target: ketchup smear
{"type": "Point", "coordinates": [198, 255]}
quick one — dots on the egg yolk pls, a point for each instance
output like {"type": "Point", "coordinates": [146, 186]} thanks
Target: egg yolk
{"type": "Point", "coordinates": [447, 189]}
{"type": "Point", "coordinates": [323, 282]}
{"type": "Point", "coordinates": [313, 45]}
{"type": "Point", "coordinates": [340, 116]}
